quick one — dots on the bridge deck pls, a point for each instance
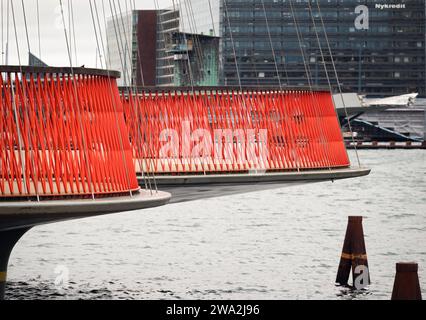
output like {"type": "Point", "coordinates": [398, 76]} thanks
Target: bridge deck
{"type": "Point", "coordinates": [25, 214]}
{"type": "Point", "coordinates": [186, 188]}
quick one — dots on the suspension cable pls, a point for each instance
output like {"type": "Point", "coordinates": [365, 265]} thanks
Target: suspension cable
{"type": "Point", "coordinates": [339, 86]}
{"type": "Point", "coordinates": [243, 100]}
{"type": "Point", "coordinates": [38, 29]}
{"type": "Point", "coordinates": [309, 78]}
{"type": "Point", "coordinates": [25, 101]}
{"type": "Point", "coordinates": [141, 73]}
{"type": "Point", "coordinates": [112, 99]}
{"type": "Point", "coordinates": [133, 84]}
{"type": "Point", "coordinates": [26, 25]}
{"type": "Point", "coordinates": [211, 16]}
{"type": "Point", "coordinates": [272, 46]}
{"type": "Point", "coordinates": [71, 13]}
{"type": "Point", "coordinates": [196, 39]}
{"type": "Point", "coordinates": [323, 61]}
{"type": "Point", "coordinates": [233, 44]}
{"type": "Point", "coordinates": [120, 44]}
{"type": "Point", "coordinates": [125, 34]}
{"type": "Point", "coordinates": [279, 80]}
{"type": "Point", "coordinates": [77, 102]}
{"type": "Point", "coordinates": [191, 72]}
{"type": "Point", "coordinates": [138, 107]}
{"type": "Point", "coordinates": [15, 105]}
{"type": "Point", "coordinates": [170, 68]}
{"type": "Point", "coordinates": [2, 33]}
{"type": "Point", "coordinates": [7, 33]}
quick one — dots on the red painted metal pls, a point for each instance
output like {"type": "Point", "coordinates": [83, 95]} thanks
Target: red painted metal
{"type": "Point", "coordinates": [63, 134]}
{"type": "Point", "coordinates": [269, 130]}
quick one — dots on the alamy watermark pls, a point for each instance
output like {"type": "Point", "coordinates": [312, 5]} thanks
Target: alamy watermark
{"type": "Point", "coordinates": [362, 21]}
{"type": "Point", "coordinates": [62, 278]}
{"type": "Point", "coordinates": [363, 280]}
{"type": "Point", "coordinates": [237, 147]}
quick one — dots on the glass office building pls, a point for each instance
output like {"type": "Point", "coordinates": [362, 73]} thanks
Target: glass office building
{"type": "Point", "coordinates": [149, 49]}
{"type": "Point", "coordinates": [378, 46]}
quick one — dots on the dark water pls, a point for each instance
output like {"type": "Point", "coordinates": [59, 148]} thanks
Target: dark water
{"type": "Point", "coordinates": [282, 244]}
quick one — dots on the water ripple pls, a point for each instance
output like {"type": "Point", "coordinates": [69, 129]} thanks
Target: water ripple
{"type": "Point", "coordinates": [281, 244]}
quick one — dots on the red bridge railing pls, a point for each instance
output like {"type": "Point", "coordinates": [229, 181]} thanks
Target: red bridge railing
{"type": "Point", "coordinates": [62, 133]}
{"type": "Point", "coordinates": [213, 130]}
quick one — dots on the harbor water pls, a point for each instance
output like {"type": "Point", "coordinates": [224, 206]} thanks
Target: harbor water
{"type": "Point", "coordinates": [280, 244]}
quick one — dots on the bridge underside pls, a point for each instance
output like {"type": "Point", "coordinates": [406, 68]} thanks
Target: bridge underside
{"type": "Point", "coordinates": [186, 188]}
{"type": "Point", "coordinates": [27, 214]}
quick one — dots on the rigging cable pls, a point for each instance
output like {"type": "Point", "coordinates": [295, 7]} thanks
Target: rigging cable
{"type": "Point", "coordinates": [105, 48]}
{"type": "Point", "coordinates": [90, 182]}
{"type": "Point", "coordinates": [243, 100]}
{"type": "Point", "coordinates": [112, 100]}
{"type": "Point", "coordinates": [273, 49]}
{"type": "Point", "coordinates": [139, 55]}
{"type": "Point", "coordinates": [14, 102]}
{"type": "Point", "coordinates": [2, 33]}
{"type": "Point", "coordinates": [121, 47]}
{"type": "Point", "coordinates": [133, 94]}
{"type": "Point", "coordinates": [324, 62]}
{"type": "Point", "coordinates": [196, 40]}
{"type": "Point", "coordinates": [191, 71]}
{"type": "Point", "coordinates": [25, 98]}
{"type": "Point", "coordinates": [71, 13]}
{"type": "Point", "coordinates": [339, 86]}
{"type": "Point", "coordinates": [7, 32]}
{"type": "Point", "coordinates": [133, 83]}
{"type": "Point", "coordinates": [38, 29]}
{"type": "Point", "coordinates": [309, 77]}
{"type": "Point", "coordinates": [138, 106]}
{"type": "Point", "coordinates": [141, 73]}
{"type": "Point", "coordinates": [211, 16]}
{"type": "Point", "coordinates": [24, 112]}
{"type": "Point", "coordinates": [233, 45]}
{"type": "Point", "coordinates": [286, 116]}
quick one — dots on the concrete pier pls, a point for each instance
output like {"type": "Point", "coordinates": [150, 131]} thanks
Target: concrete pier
{"type": "Point", "coordinates": [16, 218]}
{"type": "Point", "coordinates": [8, 240]}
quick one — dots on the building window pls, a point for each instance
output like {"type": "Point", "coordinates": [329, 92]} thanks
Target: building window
{"type": "Point", "coordinates": [397, 75]}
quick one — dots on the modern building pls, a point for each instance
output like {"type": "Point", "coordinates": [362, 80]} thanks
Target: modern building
{"type": "Point", "coordinates": [122, 47]}
{"type": "Point", "coordinates": [378, 48]}
{"type": "Point", "coordinates": [195, 59]}
{"type": "Point", "coordinates": [156, 53]}
{"type": "Point", "coordinates": [385, 58]}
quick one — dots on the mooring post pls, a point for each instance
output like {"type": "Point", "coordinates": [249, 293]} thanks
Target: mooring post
{"type": "Point", "coordinates": [354, 254]}
{"type": "Point", "coordinates": [8, 240]}
{"type": "Point", "coordinates": [407, 284]}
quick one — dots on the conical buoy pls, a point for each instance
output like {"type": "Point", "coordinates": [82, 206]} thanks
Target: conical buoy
{"type": "Point", "coordinates": [407, 285]}
{"type": "Point", "coordinates": [354, 256]}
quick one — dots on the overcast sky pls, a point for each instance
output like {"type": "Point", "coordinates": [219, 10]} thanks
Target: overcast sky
{"type": "Point", "coordinates": [53, 45]}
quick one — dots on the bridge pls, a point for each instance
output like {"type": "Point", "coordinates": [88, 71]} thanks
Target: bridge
{"type": "Point", "coordinates": [74, 146]}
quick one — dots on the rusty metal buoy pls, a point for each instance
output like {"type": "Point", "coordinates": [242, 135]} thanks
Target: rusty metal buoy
{"type": "Point", "coordinates": [406, 285]}
{"type": "Point", "coordinates": [354, 256]}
